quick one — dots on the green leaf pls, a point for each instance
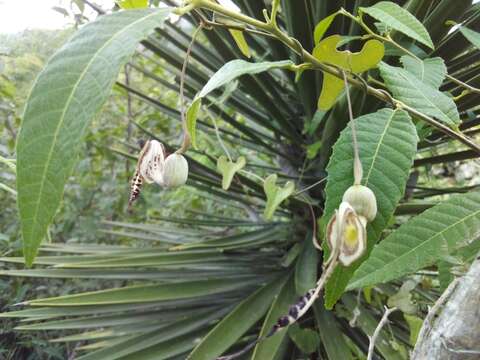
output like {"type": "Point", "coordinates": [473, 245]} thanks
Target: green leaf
{"type": "Point", "coordinates": [275, 194]}
{"type": "Point", "coordinates": [306, 340]}
{"type": "Point", "coordinates": [431, 71]}
{"type": "Point", "coordinates": [227, 73]}
{"type": "Point", "coordinates": [322, 27]}
{"type": "Point", "coordinates": [306, 267]}
{"type": "Point", "coordinates": [228, 169]}
{"type": "Point", "coordinates": [235, 324]}
{"type": "Point", "coordinates": [241, 42]}
{"type": "Point", "coordinates": [158, 337]}
{"type": "Point", "coordinates": [330, 333]}
{"type": "Point", "coordinates": [422, 241]}
{"type": "Point", "coordinates": [66, 96]}
{"type": "Point", "coordinates": [471, 35]}
{"type": "Point", "coordinates": [414, 324]}
{"type": "Point", "coordinates": [326, 51]}
{"type": "Point", "coordinates": [403, 298]}
{"type": "Point", "coordinates": [387, 145]}
{"type": "Point", "coordinates": [132, 4]}
{"type": "Point", "coordinates": [396, 17]}
{"type": "Point", "coordinates": [141, 293]}
{"type": "Point", "coordinates": [269, 349]}
{"type": "Point", "coordinates": [407, 88]}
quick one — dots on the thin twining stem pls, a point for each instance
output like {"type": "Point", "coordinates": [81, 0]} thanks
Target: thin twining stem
{"type": "Point", "coordinates": [186, 134]}
{"type": "Point", "coordinates": [295, 311]}
{"type": "Point", "coordinates": [373, 338]}
{"type": "Point", "coordinates": [357, 165]}
{"type": "Point", "coordinates": [309, 58]}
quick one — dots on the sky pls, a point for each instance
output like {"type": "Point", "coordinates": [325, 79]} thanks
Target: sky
{"type": "Point", "coordinates": [18, 15]}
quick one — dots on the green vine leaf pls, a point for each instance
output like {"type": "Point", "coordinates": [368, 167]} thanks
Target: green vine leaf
{"type": "Point", "coordinates": [227, 73]}
{"type": "Point", "coordinates": [66, 96]}
{"type": "Point", "coordinates": [396, 17]}
{"type": "Point", "coordinates": [241, 42]}
{"type": "Point", "coordinates": [407, 88]}
{"type": "Point", "coordinates": [323, 26]}
{"type": "Point", "coordinates": [387, 144]}
{"type": "Point", "coordinates": [431, 71]}
{"type": "Point", "coordinates": [422, 241]}
{"type": "Point", "coordinates": [326, 51]}
{"type": "Point", "coordinates": [228, 169]}
{"type": "Point", "coordinates": [275, 194]}
{"type": "Point", "coordinates": [471, 35]}
{"type": "Point", "coordinates": [133, 4]}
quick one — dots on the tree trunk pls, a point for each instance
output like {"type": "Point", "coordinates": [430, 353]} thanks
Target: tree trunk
{"type": "Point", "coordinates": [455, 333]}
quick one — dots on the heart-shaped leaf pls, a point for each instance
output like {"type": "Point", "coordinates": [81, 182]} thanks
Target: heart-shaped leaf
{"type": "Point", "coordinates": [275, 194]}
{"type": "Point", "coordinates": [326, 51]}
{"type": "Point", "coordinates": [228, 169]}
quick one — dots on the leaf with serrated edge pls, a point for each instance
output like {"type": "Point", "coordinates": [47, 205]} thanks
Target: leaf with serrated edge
{"type": "Point", "coordinates": [227, 73]}
{"type": "Point", "coordinates": [399, 19]}
{"type": "Point", "coordinates": [431, 71]}
{"type": "Point", "coordinates": [66, 96]}
{"type": "Point", "coordinates": [387, 144]}
{"type": "Point", "coordinates": [407, 88]}
{"type": "Point", "coordinates": [422, 241]}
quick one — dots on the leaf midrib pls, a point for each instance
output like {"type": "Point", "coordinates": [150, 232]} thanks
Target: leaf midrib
{"type": "Point", "coordinates": [67, 105]}
{"type": "Point", "coordinates": [377, 149]}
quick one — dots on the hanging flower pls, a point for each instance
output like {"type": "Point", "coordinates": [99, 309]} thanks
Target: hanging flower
{"type": "Point", "coordinates": [347, 234]}
{"type": "Point", "coordinates": [153, 167]}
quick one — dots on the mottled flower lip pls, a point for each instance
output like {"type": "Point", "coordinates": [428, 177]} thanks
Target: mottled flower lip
{"type": "Point", "coordinates": [152, 162]}
{"type": "Point", "coordinates": [346, 234]}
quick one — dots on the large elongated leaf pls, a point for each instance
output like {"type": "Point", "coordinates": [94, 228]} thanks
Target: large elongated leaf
{"type": "Point", "coordinates": [234, 325]}
{"type": "Point", "coordinates": [387, 144]}
{"type": "Point", "coordinates": [67, 94]}
{"type": "Point", "coordinates": [142, 293]}
{"type": "Point", "coordinates": [423, 240]}
{"type": "Point", "coordinates": [431, 71]}
{"type": "Point", "coordinates": [399, 19]}
{"type": "Point", "coordinates": [227, 73]}
{"type": "Point", "coordinates": [408, 88]}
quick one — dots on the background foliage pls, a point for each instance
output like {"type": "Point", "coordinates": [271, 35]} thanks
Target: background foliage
{"type": "Point", "coordinates": [199, 267]}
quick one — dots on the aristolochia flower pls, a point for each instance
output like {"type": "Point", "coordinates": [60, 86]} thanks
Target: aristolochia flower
{"type": "Point", "coordinates": [152, 167]}
{"type": "Point", "coordinates": [346, 233]}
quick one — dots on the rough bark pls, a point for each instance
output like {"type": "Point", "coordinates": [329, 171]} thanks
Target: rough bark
{"type": "Point", "coordinates": [455, 333]}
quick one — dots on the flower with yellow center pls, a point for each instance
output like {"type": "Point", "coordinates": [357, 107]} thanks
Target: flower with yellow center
{"type": "Point", "coordinates": [346, 234]}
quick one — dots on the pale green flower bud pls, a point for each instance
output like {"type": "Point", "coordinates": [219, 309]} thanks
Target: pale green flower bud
{"type": "Point", "coordinates": [363, 201]}
{"type": "Point", "coordinates": [175, 171]}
